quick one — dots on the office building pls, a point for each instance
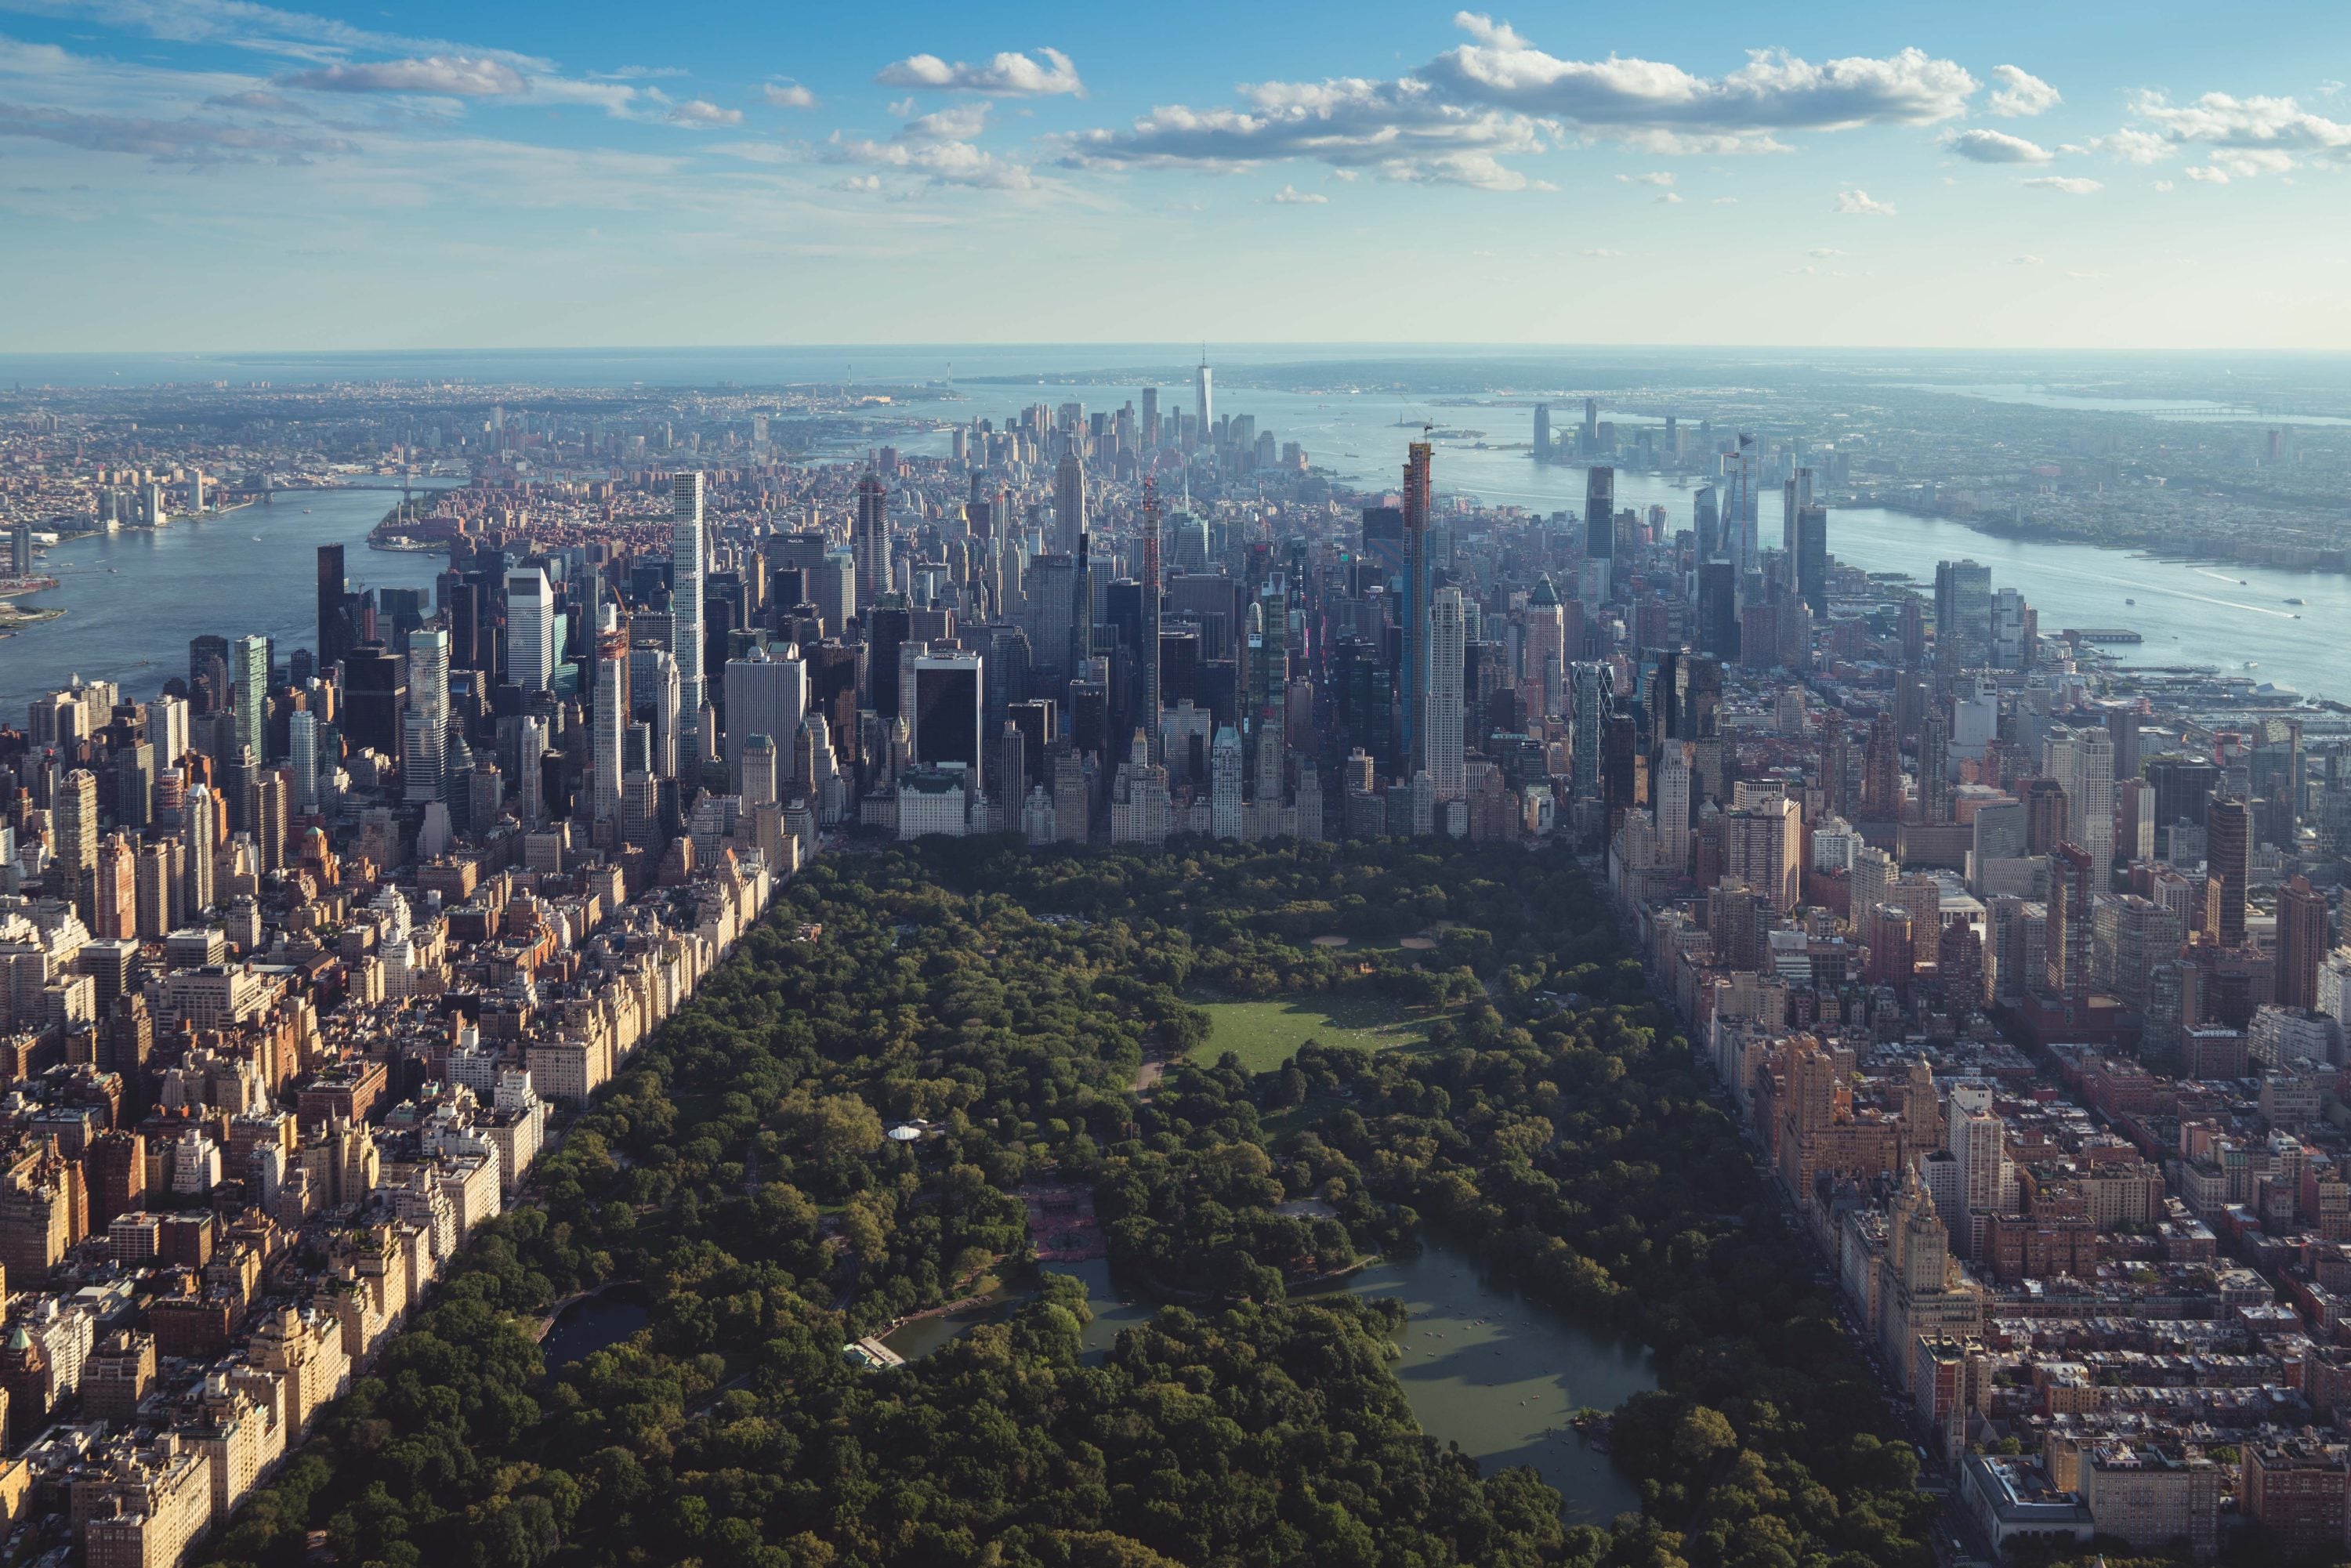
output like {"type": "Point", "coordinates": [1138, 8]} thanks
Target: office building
{"type": "Point", "coordinates": [530, 630]}
{"type": "Point", "coordinates": [764, 696]}
{"type": "Point", "coordinates": [944, 726]}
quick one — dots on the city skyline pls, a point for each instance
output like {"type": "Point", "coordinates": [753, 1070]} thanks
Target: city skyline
{"type": "Point", "coordinates": [1726, 175]}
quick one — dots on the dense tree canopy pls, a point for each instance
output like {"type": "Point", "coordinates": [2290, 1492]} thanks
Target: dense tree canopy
{"type": "Point", "coordinates": [736, 1175]}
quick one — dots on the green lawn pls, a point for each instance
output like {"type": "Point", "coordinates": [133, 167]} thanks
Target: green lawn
{"type": "Point", "coordinates": [1266, 1034]}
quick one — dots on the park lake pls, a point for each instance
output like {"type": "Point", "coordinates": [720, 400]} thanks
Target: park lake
{"type": "Point", "coordinates": [1484, 1367]}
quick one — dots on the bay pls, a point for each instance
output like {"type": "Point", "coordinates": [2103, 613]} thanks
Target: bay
{"type": "Point", "coordinates": [133, 599]}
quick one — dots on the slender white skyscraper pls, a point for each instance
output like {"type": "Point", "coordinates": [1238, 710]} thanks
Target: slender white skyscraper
{"type": "Point", "coordinates": [689, 560]}
{"type": "Point", "coordinates": [530, 630]}
{"type": "Point", "coordinates": [1447, 649]}
{"type": "Point", "coordinates": [610, 716]}
{"type": "Point", "coordinates": [1206, 399]}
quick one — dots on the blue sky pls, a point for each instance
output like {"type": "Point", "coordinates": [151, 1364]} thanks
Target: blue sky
{"type": "Point", "coordinates": [190, 174]}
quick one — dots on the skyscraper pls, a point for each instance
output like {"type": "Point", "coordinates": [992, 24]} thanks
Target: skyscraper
{"type": "Point", "coordinates": [945, 726]}
{"type": "Point", "coordinates": [869, 539]}
{"type": "Point", "coordinates": [1741, 522]}
{"type": "Point", "coordinates": [2228, 869]}
{"type": "Point", "coordinates": [1962, 614]}
{"type": "Point", "coordinates": [1600, 521]}
{"type": "Point", "coordinates": [1542, 432]}
{"type": "Point", "coordinates": [1795, 496]}
{"type": "Point", "coordinates": [1149, 700]}
{"type": "Point", "coordinates": [1812, 558]}
{"type": "Point", "coordinates": [2082, 761]}
{"type": "Point", "coordinates": [689, 560]}
{"type": "Point", "coordinates": [1543, 656]}
{"type": "Point", "coordinates": [73, 828]}
{"type": "Point", "coordinates": [425, 730]}
{"type": "Point", "coordinates": [336, 633]}
{"type": "Point", "coordinates": [1069, 502]}
{"type": "Point", "coordinates": [302, 759]}
{"type": "Point", "coordinates": [1446, 647]}
{"type": "Point", "coordinates": [2302, 943]}
{"type": "Point", "coordinates": [609, 718]}
{"type": "Point", "coordinates": [530, 628]}
{"type": "Point", "coordinates": [1595, 696]}
{"type": "Point", "coordinates": [1149, 433]}
{"type": "Point", "coordinates": [249, 691]}
{"type": "Point", "coordinates": [1417, 501]}
{"type": "Point", "coordinates": [1204, 388]}
{"type": "Point", "coordinates": [764, 696]}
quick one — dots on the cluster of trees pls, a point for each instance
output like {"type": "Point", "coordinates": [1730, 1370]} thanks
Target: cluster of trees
{"type": "Point", "coordinates": [737, 1175]}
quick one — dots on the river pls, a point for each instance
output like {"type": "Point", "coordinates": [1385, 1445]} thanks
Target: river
{"type": "Point", "coordinates": [133, 599]}
{"type": "Point", "coordinates": [1482, 1366]}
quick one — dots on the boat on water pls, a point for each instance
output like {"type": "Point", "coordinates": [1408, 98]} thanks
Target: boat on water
{"type": "Point", "coordinates": [257, 538]}
{"type": "Point", "coordinates": [2253, 664]}
{"type": "Point", "coordinates": [2293, 602]}
{"type": "Point", "coordinates": [2130, 602]}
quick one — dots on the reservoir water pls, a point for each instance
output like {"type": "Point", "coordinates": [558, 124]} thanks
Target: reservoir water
{"type": "Point", "coordinates": [1483, 1367]}
{"type": "Point", "coordinates": [593, 1323]}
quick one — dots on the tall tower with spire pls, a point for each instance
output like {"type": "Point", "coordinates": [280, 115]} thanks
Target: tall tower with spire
{"type": "Point", "coordinates": [1203, 389]}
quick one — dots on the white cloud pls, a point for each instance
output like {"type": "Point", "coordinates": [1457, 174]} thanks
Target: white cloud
{"type": "Point", "coordinates": [2019, 92]}
{"type": "Point", "coordinates": [862, 185]}
{"type": "Point", "coordinates": [1861, 203]}
{"type": "Point", "coordinates": [1997, 147]}
{"type": "Point", "coordinates": [2163, 185]}
{"type": "Point", "coordinates": [2134, 146]}
{"type": "Point", "coordinates": [1773, 92]}
{"type": "Point", "coordinates": [1601, 251]}
{"type": "Point", "coordinates": [2207, 176]}
{"type": "Point", "coordinates": [2247, 162]}
{"type": "Point", "coordinates": [1823, 251]}
{"type": "Point", "coordinates": [1008, 75]}
{"type": "Point", "coordinates": [1726, 200]}
{"type": "Point", "coordinates": [944, 162]}
{"type": "Point", "coordinates": [702, 111]}
{"type": "Point", "coordinates": [1401, 129]}
{"type": "Point", "coordinates": [2070, 185]}
{"type": "Point", "coordinates": [1670, 200]}
{"type": "Point", "coordinates": [958, 122]}
{"type": "Point", "coordinates": [2024, 261]}
{"type": "Point", "coordinates": [444, 75]}
{"type": "Point", "coordinates": [1292, 196]}
{"type": "Point", "coordinates": [787, 94]}
{"type": "Point", "coordinates": [1657, 179]}
{"type": "Point", "coordinates": [1455, 119]}
{"type": "Point", "coordinates": [2217, 120]}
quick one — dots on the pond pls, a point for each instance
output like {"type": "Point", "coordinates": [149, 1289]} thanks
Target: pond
{"type": "Point", "coordinates": [1484, 1367]}
{"type": "Point", "coordinates": [1498, 1375]}
{"type": "Point", "coordinates": [593, 1323]}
